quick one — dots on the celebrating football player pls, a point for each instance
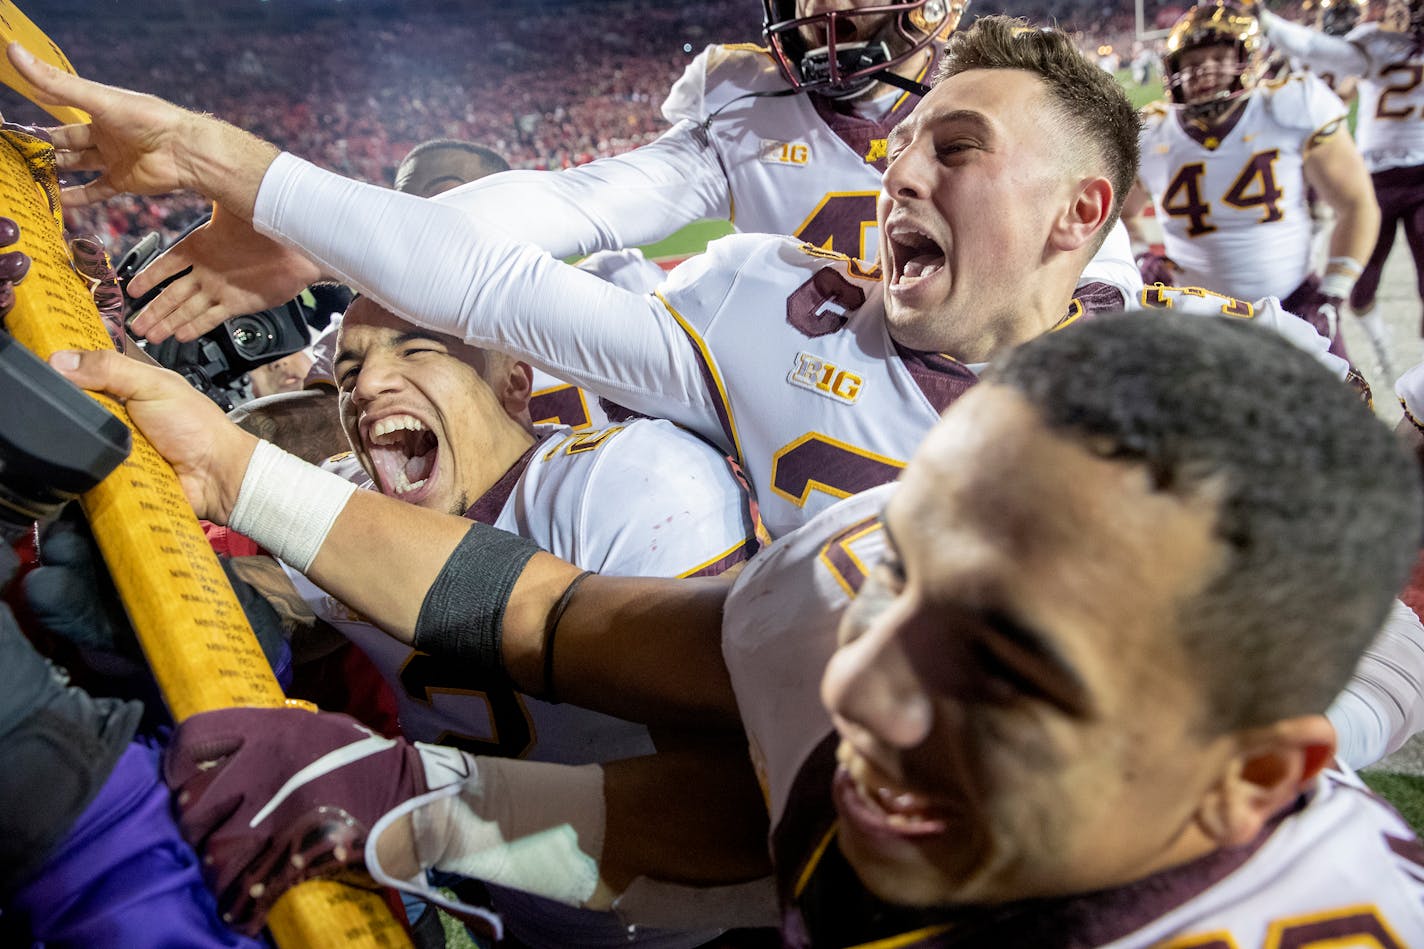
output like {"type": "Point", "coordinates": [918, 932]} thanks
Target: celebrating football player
{"type": "Point", "coordinates": [1387, 57]}
{"type": "Point", "coordinates": [445, 426]}
{"type": "Point", "coordinates": [1229, 162]}
{"type": "Point", "coordinates": [818, 374]}
{"type": "Point", "coordinates": [786, 139]}
{"type": "Point", "coordinates": [1075, 698]}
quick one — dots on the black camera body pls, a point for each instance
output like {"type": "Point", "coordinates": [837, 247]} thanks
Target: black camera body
{"type": "Point", "coordinates": [216, 362]}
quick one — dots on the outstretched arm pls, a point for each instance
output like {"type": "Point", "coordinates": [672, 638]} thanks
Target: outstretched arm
{"type": "Point", "coordinates": [641, 649]}
{"type": "Point", "coordinates": [622, 201]}
{"type": "Point", "coordinates": [1323, 52]}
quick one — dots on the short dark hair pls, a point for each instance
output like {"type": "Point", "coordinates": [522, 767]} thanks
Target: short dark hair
{"type": "Point", "coordinates": [1092, 106]}
{"type": "Point", "coordinates": [489, 156]}
{"type": "Point", "coordinates": [1318, 507]}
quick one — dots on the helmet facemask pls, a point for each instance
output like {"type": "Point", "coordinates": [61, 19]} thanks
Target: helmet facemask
{"type": "Point", "coordinates": [840, 53]}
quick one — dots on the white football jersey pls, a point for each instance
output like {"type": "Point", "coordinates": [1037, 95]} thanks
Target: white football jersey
{"type": "Point", "coordinates": [643, 499]}
{"type": "Point", "coordinates": [1233, 209]}
{"type": "Point", "coordinates": [1341, 868]}
{"type": "Point", "coordinates": [1390, 123]}
{"type": "Point", "coordinates": [779, 630]}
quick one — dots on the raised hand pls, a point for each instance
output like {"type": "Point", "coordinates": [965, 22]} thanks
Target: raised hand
{"type": "Point", "coordinates": [208, 453]}
{"type": "Point", "coordinates": [232, 270]}
{"type": "Point", "coordinates": [144, 145]}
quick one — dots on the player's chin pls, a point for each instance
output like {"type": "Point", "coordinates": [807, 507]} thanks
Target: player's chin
{"type": "Point", "coordinates": [911, 862]}
{"type": "Point", "coordinates": [923, 873]}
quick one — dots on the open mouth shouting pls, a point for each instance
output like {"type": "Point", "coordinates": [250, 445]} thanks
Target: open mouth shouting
{"type": "Point", "coordinates": [915, 259]}
{"type": "Point", "coordinates": [405, 454]}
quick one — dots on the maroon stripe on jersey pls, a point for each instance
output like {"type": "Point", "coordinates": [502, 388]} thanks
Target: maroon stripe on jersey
{"type": "Point", "coordinates": [939, 377]}
{"type": "Point", "coordinates": [486, 509]}
{"type": "Point", "coordinates": [709, 381]}
{"type": "Point", "coordinates": [1336, 930]}
{"type": "Point", "coordinates": [740, 554]}
{"type": "Point", "coordinates": [1407, 847]}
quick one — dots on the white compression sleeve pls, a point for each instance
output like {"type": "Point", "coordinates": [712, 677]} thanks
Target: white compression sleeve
{"type": "Point", "coordinates": [635, 198]}
{"type": "Point", "coordinates": [1324, 53]}
{"type": "Point", "coordinates": [1382, 706]}
{"type": "Point", "coordinates": [432, 264]}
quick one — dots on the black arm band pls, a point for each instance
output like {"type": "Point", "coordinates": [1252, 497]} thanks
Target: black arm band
{"type": "Point", "coordinates": [463, 613]}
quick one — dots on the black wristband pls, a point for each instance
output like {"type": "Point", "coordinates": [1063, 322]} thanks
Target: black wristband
{"type": "Point", "coordinates": [552, 628]}
{"type": "Point", "coordinates": [463, 613]}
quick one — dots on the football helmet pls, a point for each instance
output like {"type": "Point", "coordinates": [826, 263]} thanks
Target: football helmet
{"type": "Point", "coordinates": [839, 53]}
{"type": "Point", "coordinates": [1217, 24]}
{"type": "Point", "coordinates": [1338, 17]}
{"type": "Point", "coordinates": [1406, 16]}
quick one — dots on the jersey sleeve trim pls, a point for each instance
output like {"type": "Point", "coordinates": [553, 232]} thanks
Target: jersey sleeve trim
{"type": "Point", "coordinates": [711, 378]}
{"type": "Point", "coordinates": [721, 563]}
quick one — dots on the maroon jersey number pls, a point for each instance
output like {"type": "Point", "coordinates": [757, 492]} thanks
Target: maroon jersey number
{"type": "Point", "coordinates": [424, 675]}
{"type": "Point", "coordinates": [816, 462]}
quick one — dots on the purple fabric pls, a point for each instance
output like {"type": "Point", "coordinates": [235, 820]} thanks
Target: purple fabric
{"type": "Point", "coordinates": [123, 877]}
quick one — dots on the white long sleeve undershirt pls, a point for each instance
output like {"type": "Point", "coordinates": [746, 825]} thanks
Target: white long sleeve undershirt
{"type": "Point", "coordinates": [477, 283]}
{"type": "Point", "coordinates": [623, 201]}
{"type": "Point", "coordinates": [1382, 706]}
{"type": "Point", "coordinates": [1323, 52]}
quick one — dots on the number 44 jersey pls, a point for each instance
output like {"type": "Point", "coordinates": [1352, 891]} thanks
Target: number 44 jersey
{"type": "Point", "coordinates": [1232, 201]}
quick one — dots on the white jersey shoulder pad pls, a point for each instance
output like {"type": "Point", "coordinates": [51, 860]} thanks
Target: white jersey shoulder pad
{"type": "Point", "coordinates": [719, 74]}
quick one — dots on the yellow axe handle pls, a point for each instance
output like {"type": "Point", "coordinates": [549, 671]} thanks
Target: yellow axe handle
{"type": "Point", "coordinates": [193, 631]}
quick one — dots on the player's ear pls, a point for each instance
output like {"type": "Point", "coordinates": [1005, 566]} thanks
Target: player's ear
{"type": "Point", "coordinates": [516, 386]}
{"type": "Point", "coordinates": [1085, 214]}
{"type": "Point", "coordinates": [1271, 766]}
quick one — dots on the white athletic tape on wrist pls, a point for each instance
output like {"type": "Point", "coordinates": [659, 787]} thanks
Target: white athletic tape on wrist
{"type": "Point", "coordinates": [505, 822]}
{"type": "Point", "coordinates": [1348, 266]}
{"type": "Point", "coordinates": [1337, 285]}
{"type": "Point", "coordinates": [287, 505]}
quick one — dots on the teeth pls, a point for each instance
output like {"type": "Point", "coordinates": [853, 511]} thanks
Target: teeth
{"type": "Point", "coordinates": [395, 423]}
{"type": "Point", "coordinates": [404, 485]}
{"type": "Point", "coordinates": [920, 268]}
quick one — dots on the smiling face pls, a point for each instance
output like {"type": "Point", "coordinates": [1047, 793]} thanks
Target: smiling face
{"type": "Point", "coordinates": [1008, 690]}
{"type": "Point", "coordinates": [435, 422]}
{"type": "Point", "coordinates": [976, 180]}
{"type": "Point", "coordinates": [1208, 72]}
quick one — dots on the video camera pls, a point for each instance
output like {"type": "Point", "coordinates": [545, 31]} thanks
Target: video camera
{"type": "Point", "coordinates": [217, 362]}
{"type": "Point", "coordinates": [55, 441]}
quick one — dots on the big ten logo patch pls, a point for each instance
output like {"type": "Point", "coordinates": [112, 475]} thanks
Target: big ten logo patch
{"type": "Point", "coordinates": [825, 378]}
{"type": "Point", "coordinates": [796, 154]}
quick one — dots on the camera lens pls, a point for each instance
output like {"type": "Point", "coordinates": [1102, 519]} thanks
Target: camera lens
{"type": "Point", "coordinates": [252, 336]}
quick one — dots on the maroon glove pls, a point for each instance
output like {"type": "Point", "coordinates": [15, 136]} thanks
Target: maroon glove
{"type": "Point", "coordinates": [313, 784]}
{"type": "Point", "coordinates": [1158, 268]}
{"type": "Point", "coordinates": [14, 265]}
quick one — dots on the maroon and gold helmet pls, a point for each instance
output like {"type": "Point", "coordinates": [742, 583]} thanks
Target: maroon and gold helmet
{"type": "Point", "coordinates": [1405, 16]}
{"type": "Point", "coordinates": [1216, 24]}
{"type": "Point", "coordinates": [838, 53]}
{"type": "Point", "coordinates": [1338, 17]}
